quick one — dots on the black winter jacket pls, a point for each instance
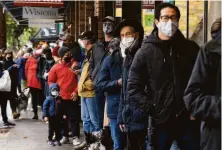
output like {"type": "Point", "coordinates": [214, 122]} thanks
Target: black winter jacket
{"type": "Point", "coordinates": [158, 76]}
{"type": "Point", "coordinates": [203, 94]}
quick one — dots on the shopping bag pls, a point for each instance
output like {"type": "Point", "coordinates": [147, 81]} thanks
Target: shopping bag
{"type": "Point", "coordinates": [5, 82]}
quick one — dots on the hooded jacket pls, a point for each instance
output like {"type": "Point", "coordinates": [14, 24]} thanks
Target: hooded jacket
{"type": "Point", "coordinates": [158, 76]}
{"type": "Point", "coordinates": [62, 74]}
{"type": "Point", "coordinates": [203, 94]}
{"type": "Point", "coordinates": [51, 105]}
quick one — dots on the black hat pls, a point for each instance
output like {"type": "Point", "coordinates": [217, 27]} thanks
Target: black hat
{"type": "Point", "coordinates": [62, 51]}
{"type": "Point", "coordinates": [67, 36]}
{"type": "Point", "coordinates": [108, 18]}
{"type": "Point", "coordinates": [132, 23]}
{"type": "Point", "coordinates": [87, 35]}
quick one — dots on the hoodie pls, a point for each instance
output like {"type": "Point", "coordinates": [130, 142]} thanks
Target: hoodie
{"type": "Point", "coordinates": [51, 105]}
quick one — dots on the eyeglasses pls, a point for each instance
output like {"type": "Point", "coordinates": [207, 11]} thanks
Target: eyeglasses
{"type": "Point", "coordinates": [166, 18]}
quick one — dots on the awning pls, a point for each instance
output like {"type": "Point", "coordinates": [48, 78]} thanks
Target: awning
{"type": "Point", "coordinates": [16, 11]}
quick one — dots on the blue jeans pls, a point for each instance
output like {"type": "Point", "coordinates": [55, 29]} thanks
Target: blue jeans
{"type": "Point", "coordinates": [100, 105]}
{"type": "Point", "coordinates": [117, 135]}
{"type": "Point", "coordinates": [89, 115]}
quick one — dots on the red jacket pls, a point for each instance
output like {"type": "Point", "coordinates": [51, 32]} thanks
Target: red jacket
{"type": "Point", "coordinates": [30, 72]}
{"type": "Point", "coordinates": [62, 74]}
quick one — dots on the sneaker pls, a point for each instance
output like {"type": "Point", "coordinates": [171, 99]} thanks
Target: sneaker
{"type": "Point", "coordinates": [57, 143]}
{"type": "Point", "coordinates": [8, 124]}
{"type": "Point", "coordinates": [81, 146]}
{"type": "Point", "coordinates": [51, 143]}
{"type": "Point", "coordinates": [35, 117]}
{"type": "Point", "coordinates": [64, 140]}
{"type": "Point", "coordinates": [76, 141]}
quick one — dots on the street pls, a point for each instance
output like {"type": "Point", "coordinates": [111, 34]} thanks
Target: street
{"type": "Point", "coordinates": [28, 134]}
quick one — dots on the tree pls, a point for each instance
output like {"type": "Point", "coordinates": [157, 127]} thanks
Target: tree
{"type": "Point", "coordinates": [17, 34]}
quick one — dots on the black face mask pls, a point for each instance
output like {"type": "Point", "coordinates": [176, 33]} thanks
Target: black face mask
{"type": "Point", "coordinates": [66, 44]}
{"type": "Point", "coordinates": [9, 58]}
{"type": "Point", "coordinates": [48, 56]}
{"type": "Point", "coordinates": [67, 59]}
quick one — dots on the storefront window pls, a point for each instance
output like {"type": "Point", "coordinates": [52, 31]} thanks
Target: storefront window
{"type": "Point", "coordinates": [118, 8]}
{"type": "Point", "coordinates": [148, 16]}
{"type": "Point", "coordinates": [182, 5]}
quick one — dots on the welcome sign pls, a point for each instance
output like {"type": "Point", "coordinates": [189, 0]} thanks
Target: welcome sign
{"type": "Point", "coordinates": [40, 13]}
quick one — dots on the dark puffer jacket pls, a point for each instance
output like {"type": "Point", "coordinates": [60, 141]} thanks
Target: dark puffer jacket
{"type": "Point", "coordinates": [158, 76]}
{"type": "Point", "coordinates": [203, 94]}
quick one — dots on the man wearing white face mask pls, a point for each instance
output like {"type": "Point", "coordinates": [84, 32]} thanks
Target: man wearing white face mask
{"type": "Point", "coordinates": [131, 33]}
{"type": "Point", "coordinates": [157, 79]}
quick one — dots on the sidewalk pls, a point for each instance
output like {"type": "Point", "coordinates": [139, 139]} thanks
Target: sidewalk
{"type": "Point", "coordinates": [28, 134]}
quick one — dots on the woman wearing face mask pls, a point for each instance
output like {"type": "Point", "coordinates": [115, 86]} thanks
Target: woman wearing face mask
{"type": "Point", "coordinates": [62, 74]}
{"type": "Point", "coordinates": [8, 62]}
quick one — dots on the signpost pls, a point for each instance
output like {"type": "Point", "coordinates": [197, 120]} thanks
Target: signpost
{"type": "Point", "coordinates": [42, 23]}
{"type": "Point", "coordinates": [40, 13]}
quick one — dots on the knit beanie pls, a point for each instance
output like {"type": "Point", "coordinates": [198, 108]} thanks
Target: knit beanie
{"type": "Point", "coordinates": [63, 50]}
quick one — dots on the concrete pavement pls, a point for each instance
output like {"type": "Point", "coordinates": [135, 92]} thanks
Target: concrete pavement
{"type": "Point", "coordinates": [27, 135]}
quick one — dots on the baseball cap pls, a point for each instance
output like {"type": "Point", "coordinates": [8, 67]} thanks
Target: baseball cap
{"type": "Point", "coordinates": [87, 35]}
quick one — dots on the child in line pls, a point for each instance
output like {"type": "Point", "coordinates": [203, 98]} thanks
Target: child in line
{"type": "Point", "coordinates": [52, 112]}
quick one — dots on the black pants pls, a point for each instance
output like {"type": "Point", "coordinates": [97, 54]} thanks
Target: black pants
{"type": "Point", "coordinates": [136, 140]}
{"type": "Point", "coordinates": [3, 104]}
{"type": "Point", "coordinates": [71, 109]}
{"type": "Point", "coordinates": [13, 103]}
{"type": "Point", "coordinates": [36, 96]}
{"type": "Point", "coordinates": [54, 127]}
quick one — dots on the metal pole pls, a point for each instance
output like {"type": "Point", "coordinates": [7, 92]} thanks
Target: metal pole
{"type": "Point", "coordinates": [205, 20]}
{"type": "Point", "coordinates": [188, 17]}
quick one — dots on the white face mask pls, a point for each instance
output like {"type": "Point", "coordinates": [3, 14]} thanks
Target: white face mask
{"type": "Point", "coordinates": [168, 28]}
{"type": "Point", "coordinates": [60, 43]}
{"type": "Point", "coordinates": [55, 93]}
{"type": "Point", "coordinates": [125, 43]}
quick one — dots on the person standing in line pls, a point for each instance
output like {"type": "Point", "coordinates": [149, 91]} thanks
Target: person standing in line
{"type": "Point", "coordinates": [110, 81]}
{"type": "Point", "coordinates": [52, 112]}
{"type": "Point", "coordinates": [131, 34]}
{"type": "Point", "coordinates": [33, 82]}
{"type": "Point", "coordinates": [99, 52]}
{"type": "Point", "coordinates": [203, 93]}
{"type": "Point", "coordinates": [12, 96]}
{"type": "Point", "coordinates": [157, 79]}
{"type": "Point", "coordinates": [89, 113]}
{"type": "Point", "coordinates": [62, 74]}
